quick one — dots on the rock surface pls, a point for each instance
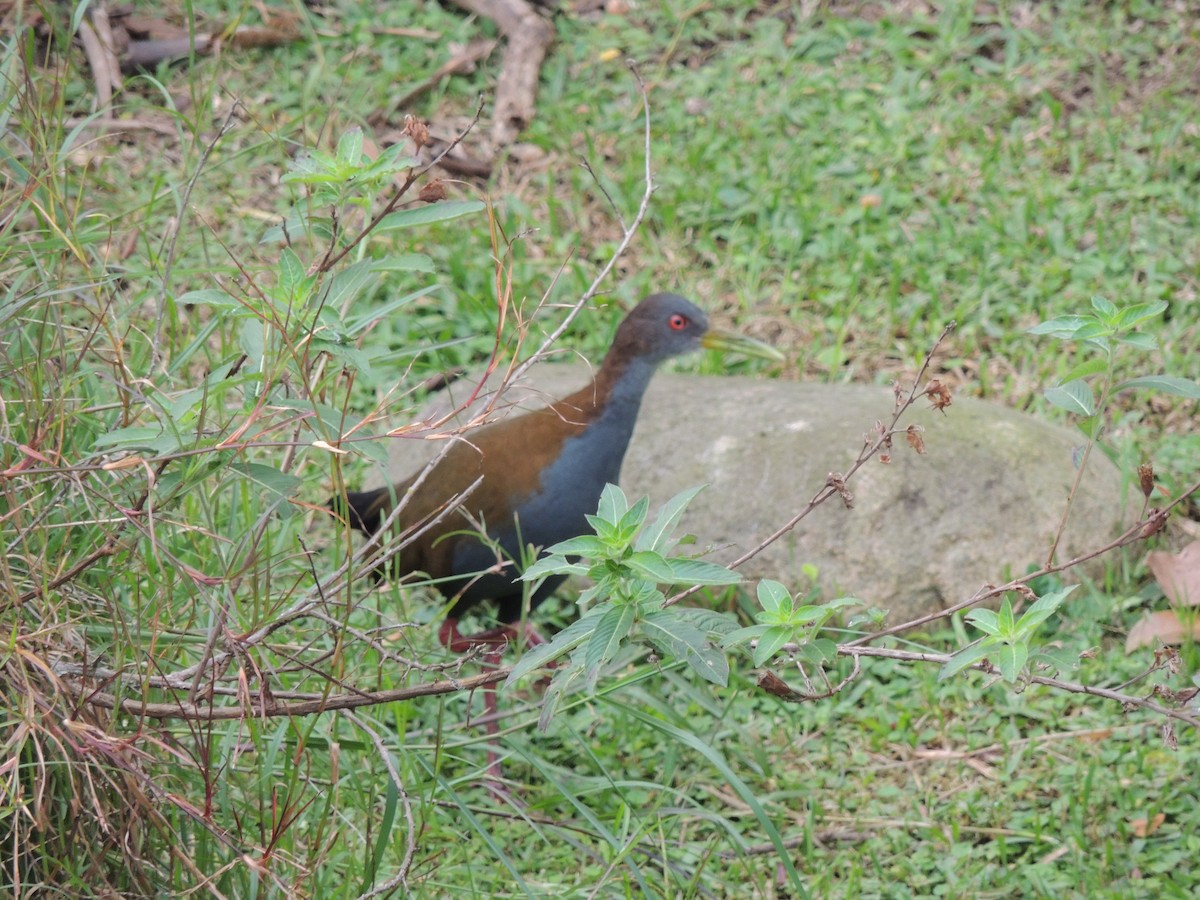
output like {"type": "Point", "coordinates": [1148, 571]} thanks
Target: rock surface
{"type": "Point", "coordinates": [927, 530]}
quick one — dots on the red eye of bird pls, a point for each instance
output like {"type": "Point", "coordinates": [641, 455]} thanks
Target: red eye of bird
{"type": "Point", "coordinates": [677, 322]}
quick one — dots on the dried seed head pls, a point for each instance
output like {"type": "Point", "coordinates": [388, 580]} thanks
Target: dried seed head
{"type": "Point", "coordinates": [417, 131]}
{"type": "Point", "coordinates": [433, 191]}
{"type": "Point", "coordinates": [1154, 523]}
{"type": "Point", "coordinates": [837, 481]}
{"type": "Point", "coordinates": [938, 394]}
{"type": "Point", "coordinates": [776, 686]}
{"type": "Point", "coordinates": [1146, 479]}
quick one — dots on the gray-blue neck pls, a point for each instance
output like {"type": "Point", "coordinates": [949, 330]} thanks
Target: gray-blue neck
{"type": "Point", "coordinates": [571, 485]}
{"type": "Point", "coordinates": [625, 398]}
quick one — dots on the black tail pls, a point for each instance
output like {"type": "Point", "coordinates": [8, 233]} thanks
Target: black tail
{"type": "Point", "coordinates": [364, 510]}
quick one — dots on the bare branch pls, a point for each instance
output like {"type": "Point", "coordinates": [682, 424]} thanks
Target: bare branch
{"type": "Point", "coordinates": [274, 708]}
{"type": "Point", "coordinates": [835, 485]}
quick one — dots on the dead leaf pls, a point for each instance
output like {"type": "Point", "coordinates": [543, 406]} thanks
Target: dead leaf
{"type": "Point", "coordinates": [1144, 828]}
{"type": "Point", "coordinates": [1178, 574]}
{"type": "Point", "coordinates": [1161, 627]}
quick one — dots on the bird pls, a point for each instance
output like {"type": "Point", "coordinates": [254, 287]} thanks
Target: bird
{"type": "Point", "coordinates": [542, 474]}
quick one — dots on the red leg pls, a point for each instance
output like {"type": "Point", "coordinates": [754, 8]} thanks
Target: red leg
{"type": "Point", "coordinates": [496, 639]}
{"type": "Point", "coordinates": [500, 636]}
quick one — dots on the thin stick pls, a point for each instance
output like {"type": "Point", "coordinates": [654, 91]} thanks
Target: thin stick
{"type": "Point", "coordinates": [626, 239]}
{"type": "Point", "coordinates": [835, 484]}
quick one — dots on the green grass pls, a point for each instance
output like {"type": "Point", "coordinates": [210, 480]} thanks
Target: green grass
{"type": "Point", "coordinates": [840, 185]}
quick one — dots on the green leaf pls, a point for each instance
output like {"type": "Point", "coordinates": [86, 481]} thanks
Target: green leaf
{"type": "Point", "coordinates": [1179, 387]}
{"type": "Point", "coordinates": [344, 287]}
{"type": "Point", "coordinates": [275, 481]}
{"type": "Point", "coordinates": [566, 640]}
{"type": "Point", "coordinates": [1059, 659]}
{"type": "Point", "coordinates": [632, 521]}
{"type": "Point", "coordinates": [606, 583]}
{"type": "Point", "coordinates": [346, 354]}
{"type": "Point", "coordinates": [811, 654]}
{"type": "Point", "coordinates": [984, 620]}
{"type": "Point", "coordinates": [770, 643]}
{"type": "Point", "coordinates": [1140, 340]}
{"type": "Point", "coordinates": [744, 635]}
{"type": "Point", "coordinates": [1010, 659]}
{"type": "Point", "coordinates": [390, 159]}
{"type": "Point", "coordinates": [613, 504]}
{"type": "Point", "coordinates": [559, 685]}
{"type": "Point", "coordinates": [426, 215]}
{"type": "Point", "coordinates": [212, 297]}
{"type": "Point", "coordinates": [1005, 624]}
{"type": "Point", "coordinates": [294, 284]}
{"type": "Point", "coordinates": [963, 659]}
{"type": "Point", "coordinates": [666, 630]}
{"type": "Point", "coordinates": [1093, 366]}
{"type": "Point", "coordinates": [710, 621]}
{"type": "Point", "coordinates": [644, 594]}
{"type": "Point", "coordinates": [406, 262]}
{"type": "Point", "coordinates": [611, 630]}
{"type": "Point", "coordinates": [869, 616]}
{"type": "Point", "coordinates": [312, 167]}
{"type": "Point", "coordinates": [138, 437]}
{"type": "Point", "coordinates": [1074, 396]}
{"type": "Point", "coordinates": [697, 571]}
{"type": "Point", "coordinates": [133, 436]}
{"type": "Point", "coordinates": [585, 545]}
{"type": "Point", "coordinates": [350, 148]}
{"type": "Point", "coordinates": [1095, 331]}
{"type": "Point", "coordinates": [1042, 609]}
{"type": "Point", "coordinates": [674, 635]}
{"type": "Point", "coordinates": [650, 565]}
{"type": "Point", "coordinates": [774, 597]}
{"type": "Point", "coordinates": [319, 227]}
{"type": "Point", "coordinates": [185, 403]}
{"type": "Point", "coordinates": [843, 602]}
{"type": "Point", "coordinates": [1138, 313]}
{"type": "Point", "coordinates": [709, 663]}
{"type": "Point", "coordinates": [1063, 327]}
{"type": "Point", "coordinates": [552, 565]}
{"type": "Point", "coordinates": [657, 536]}
{"type": "Point", "coordinates": [1105, 308]}
{"type": "Point", "coordinates": [821, 650]}
{"type": "Point", "coordinates": [808, 614]}
{"type": "Point", "coordinates": [606, 531]}
{"type": "Point", "coordinates": [1090, 429]}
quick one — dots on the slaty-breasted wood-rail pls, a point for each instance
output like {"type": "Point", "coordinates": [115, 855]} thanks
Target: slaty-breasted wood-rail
{"type": "Point", "coordinates": [543, 472]}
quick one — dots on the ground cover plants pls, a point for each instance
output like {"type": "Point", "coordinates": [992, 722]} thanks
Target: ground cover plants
{"type": "Point", "coordinates": [195, 345]}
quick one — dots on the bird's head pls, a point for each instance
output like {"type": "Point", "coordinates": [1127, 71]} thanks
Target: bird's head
{"type": "Point", "coordinates": [666, 325]}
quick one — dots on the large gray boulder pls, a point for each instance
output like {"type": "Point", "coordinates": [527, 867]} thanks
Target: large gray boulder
{"type": "Point", "coordinates": [927, 530]}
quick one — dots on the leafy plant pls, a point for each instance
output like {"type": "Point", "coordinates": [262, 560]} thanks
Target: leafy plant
{"type": "Point", "coordinates": [782, 623]}
{"type": "Point", "coordinates": [628, 561]}
{"type": "Point", "coordinates": [1106, 326]}
{"type": "Point", "coordinates": [1008, 641]}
